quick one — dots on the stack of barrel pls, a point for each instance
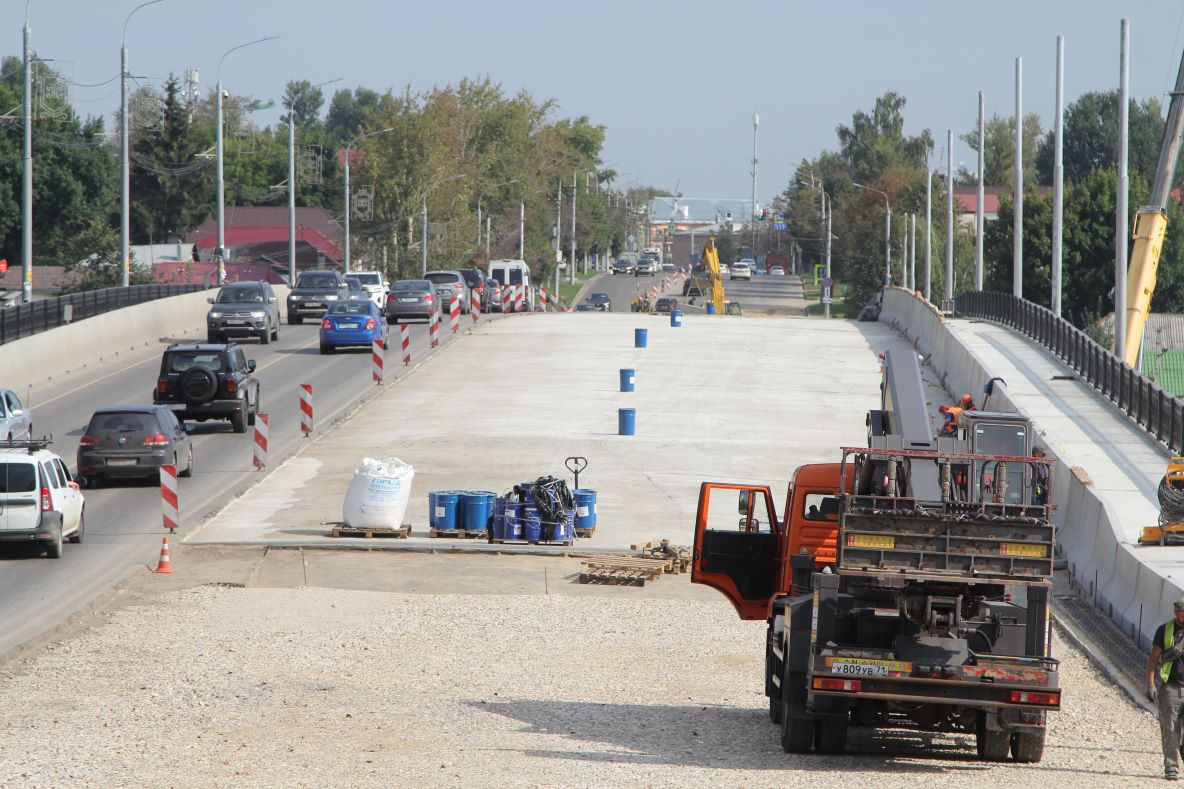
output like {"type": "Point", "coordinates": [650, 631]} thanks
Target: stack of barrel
{"type": "Point", "coordinates": [461, 513]}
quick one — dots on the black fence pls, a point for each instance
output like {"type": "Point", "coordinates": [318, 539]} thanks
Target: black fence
{"type": "Point", "coordinates": [22, 320]}
{"type": "Point", "coordinates": [1160, 413]}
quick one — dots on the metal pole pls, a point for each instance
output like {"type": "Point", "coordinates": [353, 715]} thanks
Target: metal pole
{"type": "Point", "coordinates": [829, 290]}
{"type": "Point", "coordinates": [913, 253]}
{"type": "Point", "coordinates": [949, 214]}
{"type": "Point", "coordinates": [423, 229]}
{"type": "Point", "coordinates": [479, 219]}
{"type": "Point", "coordinates": [521, 229]}
{"type": "Point", "coordinates": [904, 252]}
{"type": "Point", "coordinates": [978, 211]}
{"type": "Point", "coordinates": [1058, 182]}
{"type": "Point", "coordinates": [756, 121]}
{"type": "Point", "coordinates": [571, 272]}
{"type": "Point", "coordinates": [887, 243]}
{"type": "Point", "coordinates": [928, 232]}
{"type": "Point", "coordinates": [124, 174]}
{"type": "Point", "coordinates": [220, 252]}
{"type": "Point", "coordinates": [488, 230]}
{"type": "Point", "coordinates": [27, 173]}
{"type": "Point", "coordinates": [347, 152]}
{"type": "Point", "coordinates": [558, 229]}
{"type": "Point", "coordinates": [1017, 226]}
{"type": "Point", "coordinates": [292, 196]}
{"type": "Point", "coordinates": [1121, 225]}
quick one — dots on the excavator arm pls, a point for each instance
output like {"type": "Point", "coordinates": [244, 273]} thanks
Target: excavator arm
{"type": "Point", "coordinates": [710, 266]}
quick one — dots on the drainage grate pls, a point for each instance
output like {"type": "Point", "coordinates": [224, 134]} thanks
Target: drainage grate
{"type": "Point", "coordinates": [1118, 647]}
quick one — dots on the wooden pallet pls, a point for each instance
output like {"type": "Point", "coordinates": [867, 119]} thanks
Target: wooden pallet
{"type": "Point", "coordinates": [463, 534]}
{"type": "Point", "coordinates": [585, 533]}
{"type": "Point", "coordinates": [618, 577]}
{"type": "Point", "coordinates": [679, 555]}
{"type": "Point", "coordinates": [622, 570]}
{"type": "Point", "coordinates": [342, 530]}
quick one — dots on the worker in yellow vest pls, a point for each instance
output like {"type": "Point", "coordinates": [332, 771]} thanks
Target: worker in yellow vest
{"type": "Point", "coordinates": [1165, 684]}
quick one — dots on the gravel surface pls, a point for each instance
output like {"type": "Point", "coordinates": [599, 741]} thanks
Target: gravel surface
{"type": "Point", "coordinates": [217, 686]}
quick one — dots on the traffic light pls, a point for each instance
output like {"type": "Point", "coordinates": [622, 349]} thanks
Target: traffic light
{"type": "Point", "coordinates": [764, 214]}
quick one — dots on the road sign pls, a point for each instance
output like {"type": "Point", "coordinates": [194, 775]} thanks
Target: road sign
{"type": "Point", "coordinates": [3, 266]}
{"type": "Point", "coordinates": [778, 225]}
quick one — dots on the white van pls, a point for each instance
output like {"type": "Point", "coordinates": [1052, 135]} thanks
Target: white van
{"type": "Point", "coordinates": [514, 273]}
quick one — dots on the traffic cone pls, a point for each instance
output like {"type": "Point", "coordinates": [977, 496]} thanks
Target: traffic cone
{"type": "Point", "coordinates": [165, 566]}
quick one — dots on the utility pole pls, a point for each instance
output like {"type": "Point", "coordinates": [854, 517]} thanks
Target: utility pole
{"type": "Point", "coordinates": [1058, 180]}
{"type": "Point", "coordinates": [27, 172]}
{"type": "Point", "coordinates": [928, 231]}
{"type": "Point", "coordinates": [1120, 213]}
{"type": "Point", "coordinates": [571, 272]}
{"type": "Point", "coordinates": [558, 229]}
{"type": "Point", "coordinates": [913, 253]}
{"type": "Point", "coordinates": [756, 121]}
{"type": "Point", "coordinates": [978, 209]}
{"type": "Point", "coordinates": [292, 195]}
{"type": "Point", "coordinates": [949, 213]}
{"type": "Point", "coordinates": [829, 289]}
{"type": "Point", "coordinates": [521, 228]}
{"type": "Point", "coordinates": [1017, 227]}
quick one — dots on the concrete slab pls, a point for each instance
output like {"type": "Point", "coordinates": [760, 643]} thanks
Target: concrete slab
{"type": "Point", "coordinates": [727, 399]}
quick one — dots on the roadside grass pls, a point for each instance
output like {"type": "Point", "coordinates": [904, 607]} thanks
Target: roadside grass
{"type": "Point", "coordinates": [839, 308]}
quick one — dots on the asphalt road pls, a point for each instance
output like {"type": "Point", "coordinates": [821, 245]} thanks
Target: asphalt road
{"type": "Point", "coordinates": [764, 294]}
{"type": "Point", "coordinates": [123, 519]}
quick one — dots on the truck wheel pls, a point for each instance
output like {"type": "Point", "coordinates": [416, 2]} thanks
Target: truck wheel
{"type": "Point", "coordinates": [831, 735]}
{"type": "Point", "coordinates": [992, 745]}
{"type": "Point", "coordinates": [1027, 746]}
{"type": "Point", "coordinates": [797, 728]}
{"type": "Point", "coordinates": [771, 690]}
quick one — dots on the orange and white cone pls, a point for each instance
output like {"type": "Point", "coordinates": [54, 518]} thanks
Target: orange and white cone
{"type": "Point", "coordinates": [165, 566]}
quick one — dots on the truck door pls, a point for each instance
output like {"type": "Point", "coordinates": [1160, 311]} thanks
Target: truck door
{"type": "Point", "coordinates": [738, 545]}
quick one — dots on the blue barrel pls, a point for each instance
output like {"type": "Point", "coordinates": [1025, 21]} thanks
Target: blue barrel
{"type": "Point", "coordinates": [585, 499]}
{"type": "Point", "coordinates": [512, 529]}
{"type": "Point", "coordinates": [627, 379]}
{"type": "Point", "coordinates": [675, 318]}
{"type": "Point", "coordinates": [710, 308]}
{"type": "Point", "coordinates": [639, 337]}
{"type": "Point", "coordinates": [442, 509]}
{"type": "Point", "coordinates": [499, 518]}
{"type": "Point", "coordinates": [626, 421]}
{"type": "Point", "coordinates": [476, 508]}
{"type": "Point", "coordinates": [532, 525]}
{"type": "Point", "coordinates": [563, 530]}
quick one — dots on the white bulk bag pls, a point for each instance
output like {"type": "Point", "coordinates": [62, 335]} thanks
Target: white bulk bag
{"type": "Point", "coordinates": [378, 494]}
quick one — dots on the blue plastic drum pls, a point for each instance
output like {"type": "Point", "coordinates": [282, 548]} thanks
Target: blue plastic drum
{"type": "Point", "coordinates": [639, 338]}
{"type": "Point", "coordinates": [628, 379]}
{"type": "Point", "coordinates": [585, 499]}
{"type": "Point", "coordinates": [442, 509]}
{"type": "Point", "coordinates": [512, 525]}
{"type": "Point", "coordinates": [532, 526]}
{"type": "Point", "coordinates": [675, 318]}
{"type": "Point", "coordinates": [626, 421]}
{"type": "Point", "coordinates": [476, 507]}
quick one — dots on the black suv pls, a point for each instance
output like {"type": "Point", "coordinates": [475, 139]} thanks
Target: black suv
{"type": "Point", "coordinates": [208, 381]}
{"type": "Point", "coordinates": [312, 294]}
{"type": "Point", "coordinates": [476, 282]}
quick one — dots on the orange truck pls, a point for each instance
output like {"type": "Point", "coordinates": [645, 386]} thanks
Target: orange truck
{"type": "Point", "coordinates": [906, 586]}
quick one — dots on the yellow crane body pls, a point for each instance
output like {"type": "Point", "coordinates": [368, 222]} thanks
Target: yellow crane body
{"type": "Point", "coordinates": [1151, 225]}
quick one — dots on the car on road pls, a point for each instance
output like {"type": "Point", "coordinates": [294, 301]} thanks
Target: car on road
{"type": "Point", "coordinates": [586, 306]}
{"type": "Point", "coordinates": [208, 381]}
{"type": "Point", "coordinates": [602, 301]}
{"type": "Point", "coordinates": [647, 266]}
{"type": "Point", "coordinates": [375, 285]}
{"type": "Point", "coordinates": [412, 299]}
{"type": "Point", "coordinates": [776, 271]}
{"type": "Point", "coordinates": [314, 290]}
{"type": "Point", "coordinates": [126, 441]}
{"type": "Point", "coordinates": [243, 309]}
{"type": "Point", "coordinates": [724, 268]}
{"type": "Point", "coordinates": [668, 268]}
{"type": "Point", "coordinates": [39, 501]}
{"type": "Point", "coordinates": [493, 290]}
{"type": "Point", "coordinates": [666, 304]}
{"type": "Point", "coordinates": [356, 291]}
{"type": "Point", "coordinates": [352, 323]}
{"type": "Point", "coordinates": [623, 266]}
{"type": "Point", "coordinates": [742, 269]}
{"type": "Point", "coordinates": [16, 421]}
{"type": "Point", "coordinates": [450, 285]}
{"type": "Point", "coordinates": [475, 281]}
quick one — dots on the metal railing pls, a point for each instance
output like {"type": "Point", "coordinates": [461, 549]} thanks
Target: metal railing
{"type": "Point", "coordinates": [1158, 412]}
{"type": "Point", "coordinates": [23, 320]}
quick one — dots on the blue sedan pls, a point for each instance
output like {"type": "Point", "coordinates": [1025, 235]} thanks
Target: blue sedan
{"type": "Point", "coordinates": [351, 323]}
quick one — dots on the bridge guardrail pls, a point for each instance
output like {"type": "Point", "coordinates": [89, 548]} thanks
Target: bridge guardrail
{"type": "Point", "coordinates": [1158, 412]}
{"type": "Point", "coordinates": [24, 320]}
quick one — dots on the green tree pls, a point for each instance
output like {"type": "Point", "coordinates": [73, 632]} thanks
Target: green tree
{"type": "Point", "coordinates": [303, 101]}
{"type": "Point", "coordinates": [349, 112]}
{"type": "Point", "coordinates": [1091, 138]}
{"type": "Point", "coordinates": [999, 152]}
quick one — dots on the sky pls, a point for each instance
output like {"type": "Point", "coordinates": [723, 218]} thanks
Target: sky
{"type": "Point", "coordinates": [675, 84]}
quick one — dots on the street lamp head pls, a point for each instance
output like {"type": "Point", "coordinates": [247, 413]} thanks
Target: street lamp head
{"type": "Point", "coordinates": [125, 21]}
{"type": "Point", "coordinates": [235, 49]}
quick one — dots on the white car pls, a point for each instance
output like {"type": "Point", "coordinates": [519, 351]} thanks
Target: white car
{"type": "Point", "coordinates": [723, 268]}
{"type": "Point", "coordinates": [16, 421]}
{"type": "Point", "coordinates": [646, 266]}
{"type": "Point", "coordinates": [742, 269]}
{"type": "Point", "coordinates": [374, 284]}
{"type": "Point", "coordinates": [39, 502]}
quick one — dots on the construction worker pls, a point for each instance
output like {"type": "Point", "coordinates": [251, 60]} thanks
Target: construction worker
{"type": "Point", "coordinates": [1165, 685]}
{"type": "Point", "coordinates": [1039, 478]}
{"type": "Point", "coordinates": [951, 414]}
{"type": "Point", "coordinates": [967, 403]}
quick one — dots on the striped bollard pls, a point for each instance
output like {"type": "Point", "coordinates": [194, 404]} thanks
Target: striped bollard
{"type": "Point", "coordinates": [434, 329]}
{"type": "Point", "coordinates": [405, 339]}
{"type": "Point", "coordinates": [378, 358]}
{"type": "Point", "coordinates": [454, 314]}
{"type": "Point", "coordinates": [169, 503]}
{"type": "Point", "coordinates": [519, 298]}
{"type": "Point", "coordinates": [305, 408]}
{"type": "Point", "coordinates": [261, 426]}
{"type": "Point", "coordinates": [475, 311]}
{"type": "Point", "coordinates": [555, 301]}
{"type": "Point", "coordinates": [543, 297]}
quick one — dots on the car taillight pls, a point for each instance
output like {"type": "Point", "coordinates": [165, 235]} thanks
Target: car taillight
{"type": "Point", "coordinates": [46, 503]}
{"type": "Point", "coordinates": [370, 325]}
{"type": "Point", "coordinates": [456, 285]}
{"type": "Point", "coordinates": [89, 441]}
{"type": "Point", "coordinates": [1028, 697]}
{"type": "Point", "coordinates": [390, 297]}
{"type": "Point", "coordinates": [231, 386]}
{"type": "Point", "coordinates": [157, 440]}
{"type": "Point", "coordinates": [429, 298]}
{"type": "Point", "coordinates": [162, 386]}
{"type": "Point", "coordinates": [823, 683]}
{"type": "Point", "coordinates": [327, 324]}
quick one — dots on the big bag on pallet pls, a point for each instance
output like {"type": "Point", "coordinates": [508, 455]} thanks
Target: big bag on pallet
{"type": "Point", "coordinates": [378, 494]}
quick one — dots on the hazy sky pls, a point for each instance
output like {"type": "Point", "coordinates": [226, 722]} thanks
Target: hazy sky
{"type": "Point", "coordinates": [674, 83]}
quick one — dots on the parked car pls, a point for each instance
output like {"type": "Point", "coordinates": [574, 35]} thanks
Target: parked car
{"type": "Point", "coordinates": [586, 306]}
{"type": "Point", "coordinates": [494, 290]}
{"type": "Point", "coordinates": [623, 266]}
{"type": "Point", "coordinates": [244, 309]}
{"type": "Point", "coordinates": [647, 266]}
{"type": "Point", "coordinates": [206, 381]}
{"type": "Point", "coordinates": [313, 291]}
{"type": "Point", "coordinates": [475, 281]}
{"type": "Point", "coordinates": [16, 421]}
{"type": "Point", "coordinates": [666, 304]}
{"type": "Point", "coordinates": [450, 285]}
{"type": "Point", "coordinates": [602, 301]}
{"type": "Point", "coordinates": [742, 269]}
{"type": "Point", "coordinates": [724, 268]}
{"type": "Point", "coordinates": [355, 291]}
{"type": "Point", "coordinates": [514, 277]}
{"type": "Point", "coordinates": [39, 501]}
{"type": "Point", "coordinates": [349, 323]}
{"type": "Point", "coordinates": [776, 271]}
{"type": "Point", "coordinates": [375, 285]}
{"type": "Point", "coordinates": [669, 267]}
{"type": "Point", "coordinates": [412, 299]}
{"type": "Point", "coordinates": [123, 441]}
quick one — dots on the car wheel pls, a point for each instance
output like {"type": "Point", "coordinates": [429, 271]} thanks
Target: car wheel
{"type": "Point", "coordinates": [294, 320]}
{"type": "Point", "coordinates": [77, 536]}
{"type": "Point", "coordinates": [251, 412]}
{"type": "Point", "coordinates": [265, 337]}
{"type": "Point", "coordinates": [275, 331]}
{"type": "Point", "coordinates": [238, 422]}
{"type": "Point", "coordinates": [326, 348]}
{"type": "Point", "coordinates": [53, 549]}
{"type": "Point", "coordinates": [188, 472]}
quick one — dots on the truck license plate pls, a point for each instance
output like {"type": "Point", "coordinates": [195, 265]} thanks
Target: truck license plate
{"type": "Point", "coordinates": [1021, 549]}
{"type": "Point", "coordinates": [870, 541]}
{"type": "Point", "coordinates": [867, 667]}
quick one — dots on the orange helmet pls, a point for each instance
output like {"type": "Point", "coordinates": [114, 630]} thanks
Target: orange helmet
{"type": "Point", "coordinates": [966, 400]}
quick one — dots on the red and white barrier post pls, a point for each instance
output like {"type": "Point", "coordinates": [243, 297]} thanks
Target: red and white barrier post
{"type": "Point", "coordinates": [454, 314]}
{"type": "Point", "coordinates": [475, 310]}
{"type": "Point", "coordinates": [405, 341]}
{"type": "Point", "coordinates": [169, 503]}
{"type": "Point", "coordinates": [261, 429]}
{"type": "Point", "coordinates": [519, 298]}
{"type": "Point", "coordinates": [306, 408]}
{"type": "Point", "coordinates": [378, 360]}
{"type": "Point", "coordinates": [434, 329]}
{"type": "Point", "coordinates": [543, 298]}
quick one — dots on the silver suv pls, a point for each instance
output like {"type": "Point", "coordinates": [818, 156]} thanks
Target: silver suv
{"type": "Point", "coordinates": [449, 285]}
{"type": "Point", "coordinates": [39, 502]}
{"type": "Point", "coordinates": [244, 309]}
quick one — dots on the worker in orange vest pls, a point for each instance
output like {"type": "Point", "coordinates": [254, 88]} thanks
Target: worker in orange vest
{"type": "Point", "coordinates": [951, 414]}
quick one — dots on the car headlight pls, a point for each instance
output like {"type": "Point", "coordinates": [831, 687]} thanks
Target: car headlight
{"type": "Point", "coordinates": [215, 315]}
{"type": "Point", "coordinates": [257, 313]}
{"type": "Point", "coordinates": [331, 298]}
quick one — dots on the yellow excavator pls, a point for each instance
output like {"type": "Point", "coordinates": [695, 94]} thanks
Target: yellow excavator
{"type": "Point", "coordinates": [707, 274]}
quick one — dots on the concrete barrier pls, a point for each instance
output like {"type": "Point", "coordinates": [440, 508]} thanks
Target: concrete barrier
{"type": "Point", "coordinates": [1088, 537]}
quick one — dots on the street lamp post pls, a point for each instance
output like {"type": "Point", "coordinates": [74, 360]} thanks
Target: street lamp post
{"type": "Point", "coordinates": [481, 195]}
{"type": "Point", "coordinates": [423, 219]}
{"type": "Point", "coordinates": [292, 183]}
{"type": "Point", "coordinates": [124, 165]}
{"type": "Point", "coordinates": [826, 206]}
{"type": "Point", "coordinates": [220, 253]}
{"type": "Point", "coordinates": [349, 147]}
{"type": "Point", "coordinates": [27, 171]}
{"type": "Point", "coordinates": [887, 232]}
{"type": "Point", "coordinates": [522, 222]}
